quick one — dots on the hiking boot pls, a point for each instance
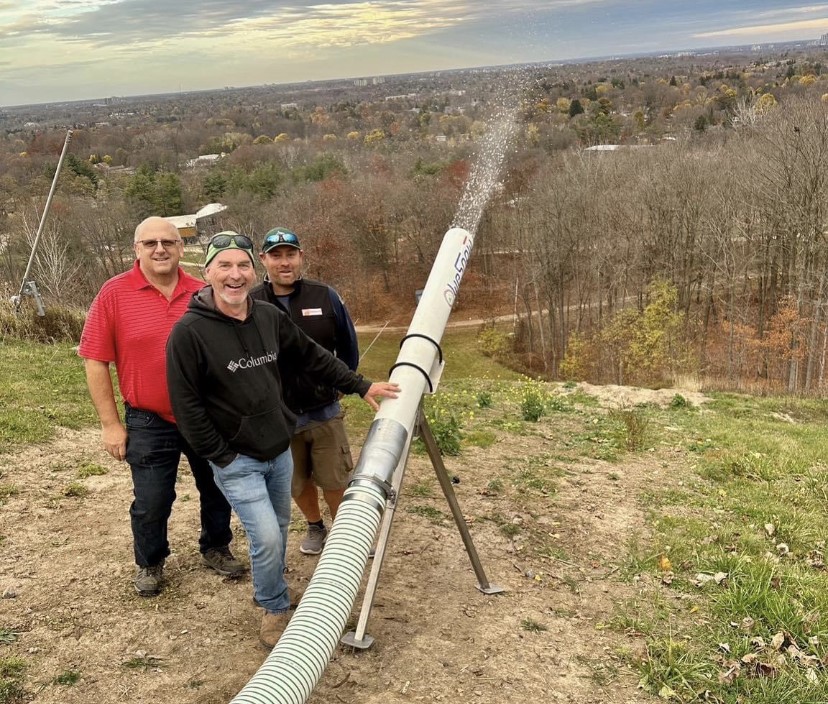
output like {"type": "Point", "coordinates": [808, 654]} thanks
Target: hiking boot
{"type": "Point", "coordinates": [148, 579]}
{"type": "Point", "coordinates": [223, 562]}
{"type": "Point", "coordinates": [273, 625]}
{"type": "Point", "coordinates": [314, 541]}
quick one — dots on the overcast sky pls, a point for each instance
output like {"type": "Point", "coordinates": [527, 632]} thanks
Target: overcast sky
{"type": "Point", "coordinates": [76, 49]}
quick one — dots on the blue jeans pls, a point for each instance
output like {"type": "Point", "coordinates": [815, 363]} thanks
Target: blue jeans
{"type": "Point", "coordinates": [259, 492]}
{"type": "Point", "coordinates": [154, 448]}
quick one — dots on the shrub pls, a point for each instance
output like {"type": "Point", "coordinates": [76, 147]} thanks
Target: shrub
{"type": "Point", "coordinates": [493, 342]}
{"type": "Point", "coordinates": [445, 426]}
{"type": "Point", "coordinates": [531, 406]}
{"type": "Point", "coordinates": [484, 399]}
{"type": "Point", "coordinates": [634, 423]}
{"type": "Point", "coordinates": [678, 402]}
{"type": "Point", "coordinates": [58, 325]}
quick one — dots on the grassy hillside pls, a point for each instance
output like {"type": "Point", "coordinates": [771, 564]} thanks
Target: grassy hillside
{"type": "Point", "coordinates": [708, 540]}
{"type": "Point", "coordinates": [43, 386]}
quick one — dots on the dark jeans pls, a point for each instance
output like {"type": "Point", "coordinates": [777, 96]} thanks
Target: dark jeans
{"type": "Point", "coordinates": [154, 448]}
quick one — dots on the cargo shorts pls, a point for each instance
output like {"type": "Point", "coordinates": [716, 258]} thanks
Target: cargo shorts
{"type": "Point", "coordinates": [322, 453]}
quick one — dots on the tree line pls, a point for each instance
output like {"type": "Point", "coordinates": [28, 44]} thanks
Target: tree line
{"type": "Point", "coordinates": [700, 254]}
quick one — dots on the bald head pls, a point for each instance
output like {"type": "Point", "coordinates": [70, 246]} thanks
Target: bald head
{"type": "Point", "coordinates": [159, 227]}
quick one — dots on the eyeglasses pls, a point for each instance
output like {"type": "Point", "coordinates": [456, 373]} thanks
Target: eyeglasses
{"type": "Point", "coordinates": [222, 241]}
{"type": "Point", "coordinates": [150, 245]}
{"type": "Point", "coordinates": [281, 238]}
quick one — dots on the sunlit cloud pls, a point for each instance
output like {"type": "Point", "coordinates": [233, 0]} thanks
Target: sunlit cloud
{"type": "Point", "coordinates": [799, 27]}
{"type": "Point", "coordinates": [55, 48]}
{"type": "Point", "coordinates": [349, 25]}
{"type": "Point", "coordinates": [788, 11]}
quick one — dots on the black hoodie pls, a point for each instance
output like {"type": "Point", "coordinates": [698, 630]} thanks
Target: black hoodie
{"type": "Point", "coordinates": [224, 382]}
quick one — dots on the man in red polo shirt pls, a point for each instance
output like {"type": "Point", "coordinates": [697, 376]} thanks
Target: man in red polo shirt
{"type": "Point", "coordinates": [128, 324]}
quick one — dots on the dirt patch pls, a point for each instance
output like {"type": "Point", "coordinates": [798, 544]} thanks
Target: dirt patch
{"type": "Point", "coordinates": [66, 570]}
{"type": "Point", "coordinates": [613, 396]}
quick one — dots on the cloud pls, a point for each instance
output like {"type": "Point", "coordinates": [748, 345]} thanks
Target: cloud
{"type": "Point", "coordinates": [788, 11]}
{"type": "Point", "coordinates": [150, 21]}
{"type": "Point", "coordinates": [801, 27]}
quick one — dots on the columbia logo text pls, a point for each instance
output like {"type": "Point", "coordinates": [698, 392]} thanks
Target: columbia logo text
{"type": "Point", "coordinates": [249, 362]}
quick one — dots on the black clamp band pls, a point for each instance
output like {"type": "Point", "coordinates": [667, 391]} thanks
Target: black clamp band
{"type": "Point", "coordinates": [419, 369]}
{"type": "Point", "coordinates": [425, 337]}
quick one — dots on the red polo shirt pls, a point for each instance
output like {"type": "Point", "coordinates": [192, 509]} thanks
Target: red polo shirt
{"type": "Point", "coordinates": [128, 324]}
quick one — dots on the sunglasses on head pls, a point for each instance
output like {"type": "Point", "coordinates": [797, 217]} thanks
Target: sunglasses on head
{"type": "Point", "coordinates": [281, 238]}
{"type": "Point", "coordinates": [222, 241]}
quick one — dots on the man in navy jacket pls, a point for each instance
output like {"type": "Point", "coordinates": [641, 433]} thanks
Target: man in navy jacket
{"type": "Point", "coordinates": [321, 452]}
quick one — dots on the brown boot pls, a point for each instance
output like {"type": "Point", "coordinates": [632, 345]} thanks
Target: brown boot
{"type": "Point", "coordinates": [273, 625]}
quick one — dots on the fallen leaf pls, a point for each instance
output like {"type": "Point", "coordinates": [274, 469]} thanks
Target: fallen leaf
{"type": "Point", "coordinates": [764, 669]}
{"type": "Point", "coordinates": [777, 641]}
{"type": "Point", "coordinates": [815, 559]}
{"type": "Point", "coordinates": [664, 564]}
{"type": "Point", "coordinates": [770, 529]}
{"type": "Point", "coordinates": [747, 624]}
{"type": "Point", "coordinates": [702, 578]}
{"type": "Point", "coordinates": [666, 693]}
{"type": "Point", "coordinates": [782, 549]}
{"type": "Point", "coordinates": [667, 578]}
{"type": "Point", "coordinates": [730, 675]}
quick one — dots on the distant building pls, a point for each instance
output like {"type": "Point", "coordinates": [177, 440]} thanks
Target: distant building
{"type": "Point", "coordinates": [203, 160]}
{"type": "Point", "coordinates": [290, 106]}
{"type": "Point", "coordinates": [199, 224]}
{"type": "Point", "coordinates": [603, 148]}
{"type": "Point", "coordinates": [360, 82]}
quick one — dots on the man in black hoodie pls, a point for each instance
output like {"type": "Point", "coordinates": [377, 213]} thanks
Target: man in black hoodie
{"type": "Point", "coordinates": [226, 394]}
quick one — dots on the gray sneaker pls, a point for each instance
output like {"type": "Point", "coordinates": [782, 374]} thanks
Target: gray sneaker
{"type": "Point", "coordinates": [148, 579]}
{"type": "Point", "coordinates": [223, 562]}
{"type": "Point", "coordinates": [314, 541]}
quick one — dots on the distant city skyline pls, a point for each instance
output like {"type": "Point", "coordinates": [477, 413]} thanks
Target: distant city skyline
{"type": "Point", "coordinates": [56, 50]}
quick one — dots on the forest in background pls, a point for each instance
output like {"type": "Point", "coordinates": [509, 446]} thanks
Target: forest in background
{"type": "Point", "coordinates": [695, 250]}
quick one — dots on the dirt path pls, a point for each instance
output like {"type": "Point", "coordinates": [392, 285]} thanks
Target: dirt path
{"type": "Point", "coordinates": [66, 569]}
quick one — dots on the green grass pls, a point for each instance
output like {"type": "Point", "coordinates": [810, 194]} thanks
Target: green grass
{"type": "Point", "coordinates": [68, 678]}
{"type": "Point", "coordinates": [754, 511]}
{"type": "Point", "coordinates": [90, 469]}
{"type": "Point", "coordinates": [75, 490]}
{"type": "Point", "coordinates": [7, 636]}
{"type": "Point", "coordinates": [430, 513]}
{"type": "Point", "coordinates": [41, 387]}
{"type": "Point", "coordinates": [7, 490]}
{"type": "Point", "coordinates": [460, 352]}
{"type": "Point", "coordinates": [532, 626]}
{"type": "Point", "coordinates": [12, 670]}
{"type": "Point", "coordinates": [142, 662]}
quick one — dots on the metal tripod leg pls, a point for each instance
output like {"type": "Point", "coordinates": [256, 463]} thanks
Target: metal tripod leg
{"type": "Point", "coordinates": [445, 484]}
{"type": "Point", "coordinates": [358, 638]}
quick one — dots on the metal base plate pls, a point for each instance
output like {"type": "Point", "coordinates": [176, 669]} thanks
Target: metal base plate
{"type": "Point", "coordinates": [350, 639]}
{"type": "Point", "coordinates": [491, 589]}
